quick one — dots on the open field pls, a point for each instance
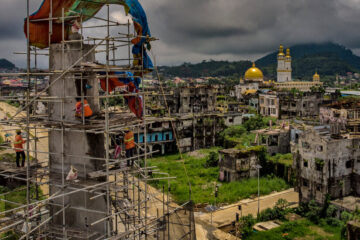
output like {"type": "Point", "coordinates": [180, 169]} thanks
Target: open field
{"type": "Point", "coordinates": [203, 180]}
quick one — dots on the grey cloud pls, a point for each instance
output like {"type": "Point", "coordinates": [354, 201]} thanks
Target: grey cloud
{"type": "Point", "coordinates": [192, 30]}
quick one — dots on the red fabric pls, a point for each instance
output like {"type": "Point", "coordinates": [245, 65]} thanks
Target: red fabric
{"type": "Point", "coordinates": [114, 82]}
{"type": "Point", "coordinates": [39, 31]}
{"type": "Point", "coordinates": [135, 105]}
{"type": "Point", "coordinates": [134, 102]}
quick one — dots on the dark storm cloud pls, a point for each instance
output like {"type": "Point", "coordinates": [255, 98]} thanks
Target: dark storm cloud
{"type": "Point", "coordinates": [192, 30]}
{"type": "Point", "coordinates": [245, 27]}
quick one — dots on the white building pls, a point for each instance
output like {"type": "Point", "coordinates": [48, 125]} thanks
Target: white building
{"type": "Point", "coordinates": [284, 65]}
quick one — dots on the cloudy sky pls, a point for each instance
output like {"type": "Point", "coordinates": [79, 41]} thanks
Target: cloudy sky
{"type": "Point", "coordinates": [194, 30]}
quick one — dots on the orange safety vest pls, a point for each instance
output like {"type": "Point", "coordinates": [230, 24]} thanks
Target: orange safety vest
{"type": "Point", "coordinates": [129, 140]}
{"type": "Point", "coordinates": [19, 143]}
{"type": "Point", "coordinates": [87, 110]}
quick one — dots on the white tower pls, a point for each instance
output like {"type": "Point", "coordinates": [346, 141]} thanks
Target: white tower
{"type": "Point", "coordinates": [284, 65]}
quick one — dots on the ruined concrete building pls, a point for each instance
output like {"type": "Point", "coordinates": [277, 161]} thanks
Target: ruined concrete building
{"type": "Point", "coordinates": [286, 105]}
{"type": "Point", "coordinates": [325, 165]}
{"type": "Point", "coordinates": [304, 104]}
{"type": "Point", "coordinates": [237, 164]}
{"type": "Point", "coordinates": [269, 104]}
{"type": "Point", "coordinates": [194, 116]}
{"type": "Point", "coordinates": [343, 116]}
{"type": "Point", "coordinates": [275, 140]}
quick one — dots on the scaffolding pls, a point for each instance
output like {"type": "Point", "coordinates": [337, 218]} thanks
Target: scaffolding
{"type": "Point", "coordinates": [109, 199]}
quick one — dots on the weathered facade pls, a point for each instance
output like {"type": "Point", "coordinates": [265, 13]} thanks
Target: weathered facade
{"type": "Point", "coordinates": [286, 105]}
{"type": "Point", "coordinates": [343, 117]}
{"type": "Point", "coordinates": [237, 164]}
{"type": "Point", "coordinates": [325, 165]}
{"type": "Point", "coordinates": [275, 140]}
{"type": "Point", "coordinates": [269, 104]}
{"type": "Point", "coordinates": [305, 104]}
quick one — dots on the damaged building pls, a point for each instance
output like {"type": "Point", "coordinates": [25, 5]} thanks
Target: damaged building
{"type": "Point", "coordinates": [276, 140]}
{"type": "Point", "coordinates": [236, 164]}
{"type": "Point", "coordinates": [342, 116]}
{"type": "Point", "coordinates": [287, 105]}
{"type": "Point", "coordinates": [325, 165]}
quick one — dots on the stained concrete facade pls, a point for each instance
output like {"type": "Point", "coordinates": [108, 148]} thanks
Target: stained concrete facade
{"type": "Point", "coordinates": [343, 117]}
{"type": "Point", "coordinates": [67, 147]}
{"type": "Point", "coordinates": [269, 105]}
{"type": "Point", "coordinates": [286, 105]}
{"type": "Point", "coordinates": [275, 140]}
{"type": "Point", "coordinates": [325, 165]}
{"type": "Point", "coordinates": [237, 164]}
{"type": "Point", "coordinates": [302, 105]}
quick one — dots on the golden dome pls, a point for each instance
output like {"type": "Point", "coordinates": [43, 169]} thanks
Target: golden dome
{"type": "Point", "coordinates": [281, 50]}
{"type": "Point", "coordinates": [316, 77]}
{"type": "Point", "coordinates": [288, 52]}
{"type": "Point", "coordinates": [254, 73]}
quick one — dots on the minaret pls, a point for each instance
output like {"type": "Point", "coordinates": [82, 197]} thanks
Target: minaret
{"type": "Point", "coordinates": [316, 77]}
{"type": "Point", "coordinates": [284, 65]}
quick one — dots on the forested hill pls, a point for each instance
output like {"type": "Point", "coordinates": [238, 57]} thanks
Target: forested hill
{"type": "Point", "coordinates": [328, 59]}
{"type": "Point", "coordinates": [207, 68]}
{"type": "Point", "coordinates": [6, 64]}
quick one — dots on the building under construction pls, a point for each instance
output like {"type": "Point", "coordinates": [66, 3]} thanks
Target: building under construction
{"type": "Point", "coordinates": [107, 199]}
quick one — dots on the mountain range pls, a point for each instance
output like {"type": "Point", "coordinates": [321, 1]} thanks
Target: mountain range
{"type": "Point", "coordinates": [328, 59]}
{"type": "Point", "coordinates": [6, 64]}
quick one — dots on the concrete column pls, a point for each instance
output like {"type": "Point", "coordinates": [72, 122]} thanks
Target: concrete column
{"type": "Point", "coordinates": [81, 211]}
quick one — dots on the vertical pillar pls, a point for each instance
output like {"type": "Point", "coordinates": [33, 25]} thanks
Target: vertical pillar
{"type": "Point", "coordinates": [72, 147]}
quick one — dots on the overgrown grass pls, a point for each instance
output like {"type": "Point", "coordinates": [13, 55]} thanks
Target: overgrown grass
{"type": "Point", "coordinates": [17, 195]}
{"type": "Point", "coordinates": [285, 159]}
{"type": "Point", "coordinates": [203, 180]}
{"type": "Point", "coordinates": [300, 229]}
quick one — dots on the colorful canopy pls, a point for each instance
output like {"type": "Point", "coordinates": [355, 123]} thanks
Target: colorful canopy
{"type": "Point", "coordinates": [39, 30]}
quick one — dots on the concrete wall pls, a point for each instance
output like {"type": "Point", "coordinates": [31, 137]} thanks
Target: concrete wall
{"type": "Point", "coordinates": [81, 211]}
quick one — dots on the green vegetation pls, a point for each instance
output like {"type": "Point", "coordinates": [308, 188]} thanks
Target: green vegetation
{"type": "Point", "coordinates": [17, 195]}
{"type": "Point", "coordinates": [203, 178]}
{"type": "Point", "coordinates": [241, 134]}
{"type": "Point", "coordinates": [285, 159]}
{"type": "Point", "coordinates": [300, 229]}
{"type": "Point", "coordinates": [312, 222]}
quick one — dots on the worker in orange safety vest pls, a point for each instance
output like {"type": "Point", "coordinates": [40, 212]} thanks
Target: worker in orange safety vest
{"type": "Point", "coordinates": [18, 145]}
{"type": "Point", "coordinates": [78, 109]}
{"type": "Point", "coordinates": [129, 146]}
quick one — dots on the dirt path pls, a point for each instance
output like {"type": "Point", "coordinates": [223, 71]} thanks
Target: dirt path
{"type": "Point", "coordinates": [226, 215]}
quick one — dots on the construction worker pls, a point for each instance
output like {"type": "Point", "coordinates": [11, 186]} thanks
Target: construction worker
{"type": "Point", "coordinates": [129, 146]}
{"type": "Point", "coordinates": [18, 145]}
{"type": "Point", "coordinates": [78, 109]}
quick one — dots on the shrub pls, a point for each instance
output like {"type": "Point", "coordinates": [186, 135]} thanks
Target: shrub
{"type": "Point", "coordinates": [212, 160]}
{"type": "Point", "coordinates": [246, 225]}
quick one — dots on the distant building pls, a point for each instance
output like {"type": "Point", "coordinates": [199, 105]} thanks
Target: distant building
{"type": "Point", "coordinates": [237, 164]}
{"type": "Point", "coordinates": [276, 140]}
{"type": "Point", "coordinates": [343, 116]}
{"type": "Point", "coordinates": [269, 104]}
{"type": "Point", "coordinates": [285, 105]}
{"type": "Point", "coordinates": [284, 65]}
{"type": "Point", "coordinates": [304, 86]}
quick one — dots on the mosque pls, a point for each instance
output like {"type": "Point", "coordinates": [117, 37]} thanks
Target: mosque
{"type": "Point", "coordinates": [255, 77]}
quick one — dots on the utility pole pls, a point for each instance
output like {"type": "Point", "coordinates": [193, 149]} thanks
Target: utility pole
{"type": "Point", "coordinates": [258, 167]}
